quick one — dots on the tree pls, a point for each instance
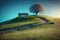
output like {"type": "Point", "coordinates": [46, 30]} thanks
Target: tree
{"type": "Point", "coordinates": [36, 8]}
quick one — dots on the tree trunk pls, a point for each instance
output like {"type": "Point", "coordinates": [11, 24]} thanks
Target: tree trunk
{"type": "Point", "coordinates": [36, 13]}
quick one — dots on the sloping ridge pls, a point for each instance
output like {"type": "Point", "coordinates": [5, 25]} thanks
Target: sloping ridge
{"type": "Point", "coordinates": [18, 19]}
{"type": "Point", "coordinates": [25, 26]}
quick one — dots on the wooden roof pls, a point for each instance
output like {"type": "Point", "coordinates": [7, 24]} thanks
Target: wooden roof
{"type": "Point", "coordinates": [23, 13]}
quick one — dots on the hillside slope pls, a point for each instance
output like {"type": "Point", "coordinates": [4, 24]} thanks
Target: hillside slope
{"type": "Point", "coordinates": [44, 32]}
{"type": "Point", "coordinates": [19, 21]}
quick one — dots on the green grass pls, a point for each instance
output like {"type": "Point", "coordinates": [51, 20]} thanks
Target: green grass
{"type": "Point", "coordinates": [44, 32]}
{"type": "Point", "coordinates": [19, 19]}
{"type": "Point", "coordinates": [47, 17]}
{"type": "Point", "coordinates": [11, 24]}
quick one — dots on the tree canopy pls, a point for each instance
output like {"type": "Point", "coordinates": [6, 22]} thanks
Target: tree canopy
{"type": "Point", "coordinates": [36, 8]}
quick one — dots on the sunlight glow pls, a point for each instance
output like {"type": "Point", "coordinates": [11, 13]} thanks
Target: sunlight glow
{"type": "Point", "coordinates": [56, 13]}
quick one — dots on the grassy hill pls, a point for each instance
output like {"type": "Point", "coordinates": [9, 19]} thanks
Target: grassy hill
{"type": "Point", "coordinates": [47, 17]}
{"type": "Point", "coordinates": [19, 21]}
{"type": "Point", "coordinates": [43, 32]}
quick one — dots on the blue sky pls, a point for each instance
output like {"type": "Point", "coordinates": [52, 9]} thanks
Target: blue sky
{"type": "Point", "coordinates": [9, 9]}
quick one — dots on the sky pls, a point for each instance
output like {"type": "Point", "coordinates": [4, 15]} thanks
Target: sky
{"type": "Point", "coordinates": [9, 9]}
